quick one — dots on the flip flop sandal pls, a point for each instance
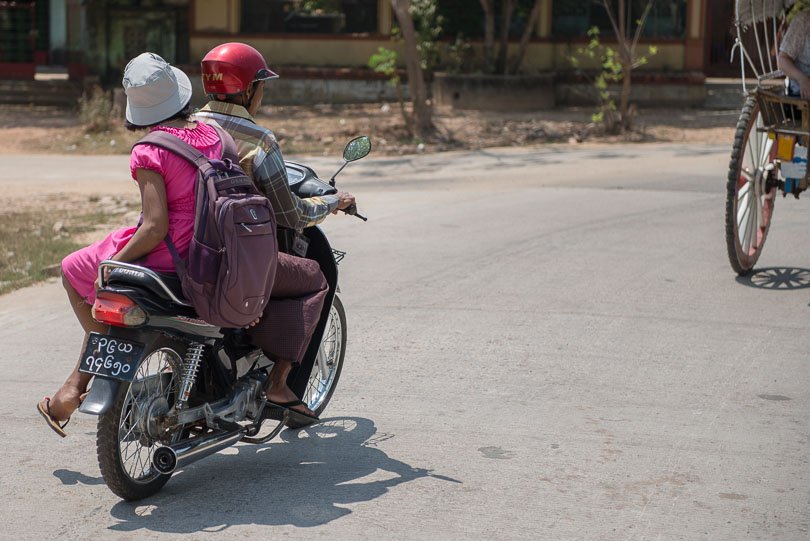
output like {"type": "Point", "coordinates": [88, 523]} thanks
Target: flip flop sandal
{"type": "Point", "coordinates": [53, 423]}
{"type": "Point", "coordinates": [295, 419]}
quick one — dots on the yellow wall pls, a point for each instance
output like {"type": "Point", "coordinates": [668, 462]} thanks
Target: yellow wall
{"type": "Point", "coordinates": [311, 52]}
{"type": "Point", "coordinates": [216, 16]}
{"type": "Point", "coordinates": [327, 52]}
{"type": "Point", "coordinates": [221, 17]}
{"type": "Point", "coordinates": [669, 57]}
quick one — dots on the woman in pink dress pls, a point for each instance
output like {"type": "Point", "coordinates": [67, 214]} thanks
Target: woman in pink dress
{"type": "Point", "coordinates": [158, 99]}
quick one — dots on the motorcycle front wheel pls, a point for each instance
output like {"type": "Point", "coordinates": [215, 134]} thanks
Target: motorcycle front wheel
{"type": "Point", "coordinates": [125, 440]}
{"type": "Point", "coordinates": [328, 364]}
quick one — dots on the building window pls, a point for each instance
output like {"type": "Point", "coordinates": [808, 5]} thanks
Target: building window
{"type": "Point", "coordinates": [309, 16]}
{"type": "Point", "coordinates": [573, 18]}
{"type": "Point", "coordinates": [466, 18]}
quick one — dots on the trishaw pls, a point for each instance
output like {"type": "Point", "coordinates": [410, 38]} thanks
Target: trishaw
{"type": "Point", "coordinates": [769, 154]}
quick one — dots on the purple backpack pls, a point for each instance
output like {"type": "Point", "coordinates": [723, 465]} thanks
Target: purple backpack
{"type": "Point", "coordinates": [231, 264]}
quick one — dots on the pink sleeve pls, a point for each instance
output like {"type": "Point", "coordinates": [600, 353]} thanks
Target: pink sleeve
{"type": "Point", "coordinates": [146, 157]}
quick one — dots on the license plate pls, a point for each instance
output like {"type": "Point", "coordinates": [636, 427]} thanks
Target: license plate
{"type": "Point", "coordinates": [111, 357]}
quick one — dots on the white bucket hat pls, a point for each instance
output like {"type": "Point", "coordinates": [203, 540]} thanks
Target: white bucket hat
{"type": "Point", "coordinates": [155, 90]}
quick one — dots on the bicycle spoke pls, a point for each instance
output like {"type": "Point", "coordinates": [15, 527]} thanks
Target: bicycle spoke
{"type": "Point", "coordinates": [750, 225]}
{"type": "Point", "coordinates": [742, 216]}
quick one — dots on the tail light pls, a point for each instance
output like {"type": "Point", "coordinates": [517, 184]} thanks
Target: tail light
{"type": "Point", "coordinates": [119, 310]}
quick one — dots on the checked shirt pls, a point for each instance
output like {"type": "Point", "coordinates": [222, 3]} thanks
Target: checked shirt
{"type": "Point", "coordinates": [260, 157]}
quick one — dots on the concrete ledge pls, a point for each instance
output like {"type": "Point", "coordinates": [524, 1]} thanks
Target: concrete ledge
{"type": "Point", "coordinates": [495, 92]}
{"type": "Point", "coordinates": [61, 93]}
{"type": "Point", "coordinates": [650, 89]}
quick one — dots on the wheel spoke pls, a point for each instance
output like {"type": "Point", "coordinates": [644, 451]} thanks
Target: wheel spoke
{"type": "Point", "coordinates": [323, 376]}
{"type": "Point", "coordinates": [147, 385]}
{"type": "Point", "coordinates": [742, 212]}
{"type": "Point", "coordinates": [751, 154]}
{"type": "Point", "coordinates": [323, 368]}
{"type": "Point", "coordinates": [752, 224]}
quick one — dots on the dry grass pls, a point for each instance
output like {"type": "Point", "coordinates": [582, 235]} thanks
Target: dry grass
{"type": "Point", "coordinates": [324, 129]}
{"type": "Point", "coordinates": [31, 249]}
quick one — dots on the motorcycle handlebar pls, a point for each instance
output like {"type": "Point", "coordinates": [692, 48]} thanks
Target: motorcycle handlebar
{"type": "Point", "coordinates": [352, 211]}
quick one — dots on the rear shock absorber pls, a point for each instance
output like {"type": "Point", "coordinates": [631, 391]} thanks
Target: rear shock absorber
{"type": "Point", "coordinates": [191, 367]}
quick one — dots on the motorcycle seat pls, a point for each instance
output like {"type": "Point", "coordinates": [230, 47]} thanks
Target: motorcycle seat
{"type": "Point", "coordinates": [151, 281]}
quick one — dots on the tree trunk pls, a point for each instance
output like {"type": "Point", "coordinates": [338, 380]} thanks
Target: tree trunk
{"type": "Point", "coordinates": [624, 98]}
{"type": "Point", "coordinates": [503, 50]}
{"type": "Point", "coordinates": [531, 24]}
{"type": "Point", "coordinates": [626, 54]}
{"type": "Point", "coordinates": [489, 34]}
{"type": "Point", "coordinates": [422, 110]}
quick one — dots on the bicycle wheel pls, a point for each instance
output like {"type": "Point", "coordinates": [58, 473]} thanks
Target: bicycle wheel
{"type": "Point", "coordinates": [329, 362]}
{"type": "Point", "coordinates": [751, 189]}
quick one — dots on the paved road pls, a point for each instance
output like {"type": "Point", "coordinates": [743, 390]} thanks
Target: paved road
{"type": "Point", "coordinates": [544, 343]}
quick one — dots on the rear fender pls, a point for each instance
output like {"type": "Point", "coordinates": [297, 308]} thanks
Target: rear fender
{"type": "Point", "coordinates": [103, 390]}
{"type": "Point", "coordinates": [101, 396]}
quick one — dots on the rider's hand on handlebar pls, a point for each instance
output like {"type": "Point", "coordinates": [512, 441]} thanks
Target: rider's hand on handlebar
{"type": "Point", "coordinates": [345, 201]}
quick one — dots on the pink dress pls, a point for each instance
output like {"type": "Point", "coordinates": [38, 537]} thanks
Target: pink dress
{"type": "Point", "coordinates": [81, 267]}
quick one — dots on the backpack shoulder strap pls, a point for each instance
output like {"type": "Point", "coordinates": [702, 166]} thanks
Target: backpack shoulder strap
{"type": "Point", "coordinates": [229, 149]}
{"type": "Point", "coordinates": [184, 150]}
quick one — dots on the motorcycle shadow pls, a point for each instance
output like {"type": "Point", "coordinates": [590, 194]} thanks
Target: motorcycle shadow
{"type": "Point", "coordinates": [303, 482]}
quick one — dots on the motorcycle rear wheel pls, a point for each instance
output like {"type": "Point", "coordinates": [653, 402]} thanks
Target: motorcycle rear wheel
{"type": "Point", "coordinates": [123, 445]}
{"type": "Point", "coordinates": [328, 364]}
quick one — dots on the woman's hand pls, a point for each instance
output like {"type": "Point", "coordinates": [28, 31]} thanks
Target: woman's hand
{"type": "Point", "coordinates": [97, 283]}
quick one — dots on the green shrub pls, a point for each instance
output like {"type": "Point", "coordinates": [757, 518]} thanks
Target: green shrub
{"type": "Point", "coordinates": [96, 111]}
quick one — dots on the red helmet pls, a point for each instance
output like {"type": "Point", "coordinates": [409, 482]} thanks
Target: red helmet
{"type": "Point", "coordinates": [231, 67]}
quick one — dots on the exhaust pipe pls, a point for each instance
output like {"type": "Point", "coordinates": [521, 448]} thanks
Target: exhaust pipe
{"type": "Point", "coordinates": [169, 458]}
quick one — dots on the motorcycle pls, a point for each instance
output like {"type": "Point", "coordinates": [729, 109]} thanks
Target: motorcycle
{"type": "Point", "coordinates": [170, 389]}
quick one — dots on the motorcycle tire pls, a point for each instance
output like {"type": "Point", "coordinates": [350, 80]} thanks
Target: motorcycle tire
{"type": "Point", "coordinates": [120, 436]}
{"type": "Point", "coordinates": [323, 378]}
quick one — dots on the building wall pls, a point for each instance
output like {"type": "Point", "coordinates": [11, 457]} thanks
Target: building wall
{"type": "Point", "coordinates": [298, 51]}
{"type": "Point", "coordinates": [217, 16]}
{"type": "Point", "coordinates": [217, 21]}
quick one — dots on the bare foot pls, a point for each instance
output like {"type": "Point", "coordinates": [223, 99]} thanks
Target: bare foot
{"type": "Point", "coordinates": [282, 394]}
{"type": "Point", "coordinates": [64, 402]}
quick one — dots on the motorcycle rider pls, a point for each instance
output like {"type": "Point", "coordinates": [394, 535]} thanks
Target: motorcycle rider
{"type": "Point", "coordinates": [158, 97]}
{"type": "Point", "coordinates": [233, 76]}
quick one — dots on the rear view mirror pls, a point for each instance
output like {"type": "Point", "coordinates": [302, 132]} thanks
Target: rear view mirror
{"type": "Point", "coordinates": [357, 148]}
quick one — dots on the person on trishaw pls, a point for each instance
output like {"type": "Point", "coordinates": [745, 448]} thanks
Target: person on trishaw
{"type": "Point", "coordinates": [794, 55]}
